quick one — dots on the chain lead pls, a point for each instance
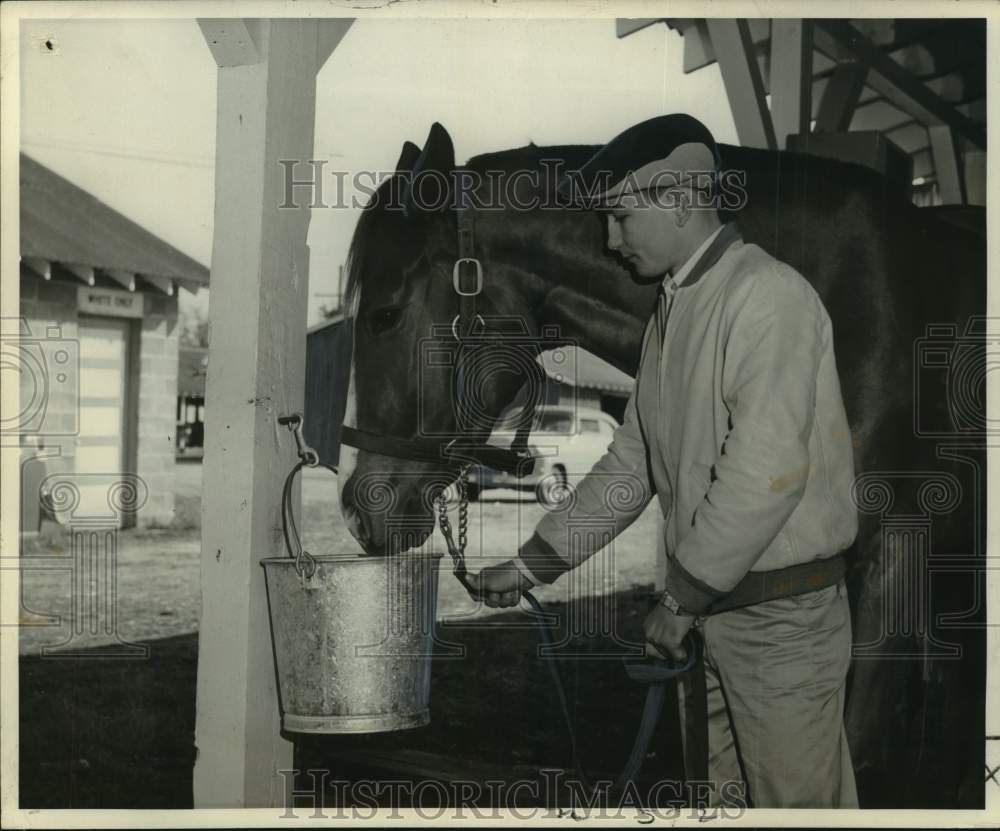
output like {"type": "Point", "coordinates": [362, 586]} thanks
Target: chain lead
{"type": "Point", "coordinates": [457, 552]}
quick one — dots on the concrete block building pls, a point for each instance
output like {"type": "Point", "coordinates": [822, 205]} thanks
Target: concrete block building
{"type": "Point", "coordinates": [96, 349]}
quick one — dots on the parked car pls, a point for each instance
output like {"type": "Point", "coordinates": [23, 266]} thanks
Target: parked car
{"type": "Point", "coordinates": [566, 442]}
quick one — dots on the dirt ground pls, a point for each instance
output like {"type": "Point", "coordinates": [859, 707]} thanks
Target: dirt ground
{"type": "Point", "coordinates": [156, 592]}
{"type": "Point", "coordinates": [114, 726]}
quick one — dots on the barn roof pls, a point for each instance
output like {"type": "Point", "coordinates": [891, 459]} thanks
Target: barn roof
{"type": "Point", "coordinates": [906, 78]}
{"type": "Point", "coordinates": [580, 368]}
{"type": "Point", "coordinates": [65, 225]}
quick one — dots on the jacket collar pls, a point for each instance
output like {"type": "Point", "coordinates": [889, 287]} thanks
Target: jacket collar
{"type": "Point", "coordinates": [729, 234]}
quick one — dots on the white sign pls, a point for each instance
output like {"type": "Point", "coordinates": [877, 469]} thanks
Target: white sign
{"type": "Point", "coordinates": [109, 302]}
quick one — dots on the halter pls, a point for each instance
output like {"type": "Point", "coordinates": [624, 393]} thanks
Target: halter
{"type": "Point", "coordinates": [462, 449]}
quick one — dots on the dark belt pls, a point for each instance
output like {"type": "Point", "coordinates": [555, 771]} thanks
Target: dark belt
{"type": "Point", "coordinates": [761, 586]}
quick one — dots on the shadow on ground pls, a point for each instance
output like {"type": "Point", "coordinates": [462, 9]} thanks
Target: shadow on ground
{"type": "Point", "coordinates": [99, 733]}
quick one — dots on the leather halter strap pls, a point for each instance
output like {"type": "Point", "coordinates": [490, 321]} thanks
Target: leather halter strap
{"type": "Point", "coordinates": [463, 448]}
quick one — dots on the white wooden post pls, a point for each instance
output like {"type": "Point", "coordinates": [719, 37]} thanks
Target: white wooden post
{"type": "Point", "coordinates": [840, 97]}
{"type": "Point", "coordinates": [791, 77]}
{"type": "Point", "coordinates": [947, 164]}
{"type": "Point", "coordinates": [260, 267]}
{"type": "Point", "coordinates": [737, 56]}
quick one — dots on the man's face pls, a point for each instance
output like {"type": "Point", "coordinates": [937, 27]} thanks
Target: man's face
{"type": "Point", "coordinates": [644, 231]}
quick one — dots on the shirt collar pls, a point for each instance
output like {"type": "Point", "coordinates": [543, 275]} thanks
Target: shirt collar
{"type": "Point", "coordinates": [682, 273]}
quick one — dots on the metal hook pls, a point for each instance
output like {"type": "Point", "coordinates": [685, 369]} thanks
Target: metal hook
{"type": "Point", "coordinates": [295, 423]}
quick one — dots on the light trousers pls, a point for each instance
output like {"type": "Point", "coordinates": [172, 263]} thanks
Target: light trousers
{"type": "Point", "coordinates": [775, 678]}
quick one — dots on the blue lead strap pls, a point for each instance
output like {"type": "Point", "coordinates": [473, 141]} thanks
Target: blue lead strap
{"type": "Point", "coordinates": [654, 672]}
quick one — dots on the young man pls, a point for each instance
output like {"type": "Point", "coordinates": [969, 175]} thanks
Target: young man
{"type": "Point", "coordinates": [737, 424]}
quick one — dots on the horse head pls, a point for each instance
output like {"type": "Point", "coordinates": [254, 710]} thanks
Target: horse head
{"type": "Point", "coordinates": [405, 383]}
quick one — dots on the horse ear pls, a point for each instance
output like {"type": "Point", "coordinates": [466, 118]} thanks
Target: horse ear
{"type": "Point", "coordinates": [438, 153]}
{"type": "Point", "coordinates": [434, 167]}
{"type": "Point", "coordinates": [408, 157]}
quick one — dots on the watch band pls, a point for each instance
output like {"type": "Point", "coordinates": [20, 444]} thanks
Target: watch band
{"type": "Point", "coordinates": [668, 601]}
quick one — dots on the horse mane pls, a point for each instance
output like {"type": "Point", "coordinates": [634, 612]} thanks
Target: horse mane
{"type": "Point", "coordinates": [371, 227]}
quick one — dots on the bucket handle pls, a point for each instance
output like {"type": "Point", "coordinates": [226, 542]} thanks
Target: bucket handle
{"type": "Point", "coordinates": [305, 563]}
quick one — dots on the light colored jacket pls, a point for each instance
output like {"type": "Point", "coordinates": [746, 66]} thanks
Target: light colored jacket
{"type": "Point", "coordinates": [737, 425]}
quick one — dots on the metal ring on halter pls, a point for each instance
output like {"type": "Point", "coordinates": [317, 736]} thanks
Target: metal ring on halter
{"type": "Point", "coordinates": [456, 271]}
{"type": "Point", "coordinates": [454, 325]}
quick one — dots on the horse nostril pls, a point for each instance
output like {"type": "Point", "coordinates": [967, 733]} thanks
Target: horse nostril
{"type": "Point", "coordinates": [355, 523]}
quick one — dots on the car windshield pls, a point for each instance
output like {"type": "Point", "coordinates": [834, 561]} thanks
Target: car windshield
{"type": "Point", "coordinates": [545, 421]}
{"type": "Point", "coordinates": [555, 423]}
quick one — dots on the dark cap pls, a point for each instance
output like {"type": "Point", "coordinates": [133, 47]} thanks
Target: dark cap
{"type": "Point", "coordinates": [662, 152]}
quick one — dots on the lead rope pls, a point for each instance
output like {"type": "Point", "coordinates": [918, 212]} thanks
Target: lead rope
{"type": "Point", "coordinates": [654, 674]}
{"type": "Point", "coordinates": [461, 571]}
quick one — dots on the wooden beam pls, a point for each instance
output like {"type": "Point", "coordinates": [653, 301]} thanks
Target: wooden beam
{"type": "Point", "coordinates": [791, 77]}
{"type": "Point", "coordinates": [923, 165]}
{"type": "Point", "coordinates": [947, 165]}
{"type": "Point", "coordinates": [83, 272]}
{"type": "Point", "coordinates": [260, 268]}
{"type": "Point", "coordinates": [734, 50]}
{"type": "Point", "coordinates": [164, 284]}
{"type": "Point", "coordinates": [233, 41]}
{"type": "Point", "coordinates": [124, 278]}
{"type": "Point", "coordinates": [840, 97]}
{"type": "Point", "coordinates": [974, 168]}
{"type": "Point", "coordinates": [893, 82]}
{"type": "Point", "coordinates": [698, 50]}
{"type": "Point", "coordinates": [43, 268]}
{"type": "Point", "coordinates": [331, 32]}
{"type": "Point", "coordinates": [910, 138]}
{"type": "Point", "coordinates": [624, 26]}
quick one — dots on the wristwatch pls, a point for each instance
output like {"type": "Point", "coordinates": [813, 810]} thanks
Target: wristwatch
{"type": "Point", "coordinates": [668, 601]}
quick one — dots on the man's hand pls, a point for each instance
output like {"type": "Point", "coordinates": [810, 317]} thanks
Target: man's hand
{"type": "Point", "coordinates": [503, 584]}
{"type": "Point", "coordinates": [664, 632]}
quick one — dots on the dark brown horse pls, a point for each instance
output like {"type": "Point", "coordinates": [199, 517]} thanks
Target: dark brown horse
{"type": "Point", "coordinates": [915, 398]}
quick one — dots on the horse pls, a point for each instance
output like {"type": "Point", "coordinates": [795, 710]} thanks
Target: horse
{"type": "Point", "coordinates": [905, 289]}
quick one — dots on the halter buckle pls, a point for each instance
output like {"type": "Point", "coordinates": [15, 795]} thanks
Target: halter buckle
{"type": "Point", "coordinates": [456, 273]}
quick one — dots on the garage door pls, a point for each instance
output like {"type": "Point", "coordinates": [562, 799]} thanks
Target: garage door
{"type": "Point", "coordinates": [100, 447]}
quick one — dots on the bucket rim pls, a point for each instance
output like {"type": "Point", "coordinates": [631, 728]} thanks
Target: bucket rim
{"type": "Point", "coordinates": [352, 558]}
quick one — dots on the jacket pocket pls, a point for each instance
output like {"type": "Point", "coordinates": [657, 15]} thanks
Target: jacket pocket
{"type": "Point", "coordinates": [699, 481]}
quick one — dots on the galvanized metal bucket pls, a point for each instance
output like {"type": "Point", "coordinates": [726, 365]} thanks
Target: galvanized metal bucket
{"type": "Point", "coordinates": [353, 642]}
{"type": "Point", "coordinates": [353, 636]}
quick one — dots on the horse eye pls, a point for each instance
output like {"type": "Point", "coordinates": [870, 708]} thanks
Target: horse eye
{"type": "Point", "coordinates": [385, 319]}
